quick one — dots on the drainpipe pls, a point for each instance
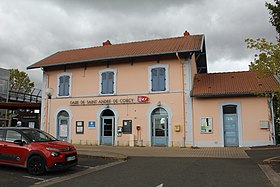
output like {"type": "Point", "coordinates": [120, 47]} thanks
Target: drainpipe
{"type": "Point", "coordinates": [184, 101]}
{"type": "Point", "coordinates": [272, 121]}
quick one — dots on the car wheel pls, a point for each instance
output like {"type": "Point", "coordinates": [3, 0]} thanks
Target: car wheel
{"type": "Point", "coordinates": [36, 165]}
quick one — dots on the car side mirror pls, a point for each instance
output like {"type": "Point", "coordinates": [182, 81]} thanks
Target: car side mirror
{"type": "Point", "coordinates": [19, 142]}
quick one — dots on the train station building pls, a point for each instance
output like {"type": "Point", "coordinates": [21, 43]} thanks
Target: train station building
{"type": "Point", "coordinates": [153, 93]}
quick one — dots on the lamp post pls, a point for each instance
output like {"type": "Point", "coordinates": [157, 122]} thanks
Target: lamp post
{"type": "Point", "coordinates": [49, 93]}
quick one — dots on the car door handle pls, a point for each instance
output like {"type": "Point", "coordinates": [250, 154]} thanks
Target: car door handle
{"type": "Point", "coordinates": [5, 146]}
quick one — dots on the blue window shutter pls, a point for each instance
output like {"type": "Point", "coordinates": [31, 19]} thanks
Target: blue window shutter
{"type": "Point", "coordinates": [110, 82]}
{"type": "Point", "coordinates": [161, 79]}
{"type": "Point", "coordinates": [154, 80]}
{"type": "Point", "coordinates": [61, 85]}
{"type": "Point", "coordinates": [104, 83]}
{"type": "Point", "coordinates": [66, 85]}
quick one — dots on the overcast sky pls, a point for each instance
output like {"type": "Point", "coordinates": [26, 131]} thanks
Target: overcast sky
{"type": "Point", "coordinates": [31, 30]}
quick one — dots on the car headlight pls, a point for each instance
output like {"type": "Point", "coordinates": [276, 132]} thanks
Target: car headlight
{"type": "Point", "coordinates": [55, 154]}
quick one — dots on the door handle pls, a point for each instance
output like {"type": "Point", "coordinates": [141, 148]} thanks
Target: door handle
{"type": "Point", "coordinates": [5, 146]}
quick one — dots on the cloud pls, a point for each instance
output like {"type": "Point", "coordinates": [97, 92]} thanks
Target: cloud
{"type": "Point", "coordinates": [32, 30]}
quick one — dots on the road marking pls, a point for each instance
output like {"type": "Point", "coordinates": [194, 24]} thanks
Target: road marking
{"type": "Point", "coordinates": [36, 178]}
{"type": "Point", "coordinates": [81, 166]}
{"type": "Point", "coordinates": [78, 174]}
{"type": "Point", "coordinates": [161, 185]}
{"type": "Point", "coordinates": [47, 180]}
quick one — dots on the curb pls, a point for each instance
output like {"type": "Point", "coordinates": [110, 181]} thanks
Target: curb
{"type": "Point", "coordinates": [271, 160]}
{"type": "Point", "coordinates": [102, 154]}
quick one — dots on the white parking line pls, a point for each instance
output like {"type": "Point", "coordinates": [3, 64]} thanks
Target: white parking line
{"type": "Point", "coordinates": [36, 178]}
{"type": "Point", "coordinates": [47, 180]}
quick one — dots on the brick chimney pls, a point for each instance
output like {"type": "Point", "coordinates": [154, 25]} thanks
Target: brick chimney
{"type": "Point", "coordinates": [107, 43]}
{"type": "Point", "coordinates": [186, 33]}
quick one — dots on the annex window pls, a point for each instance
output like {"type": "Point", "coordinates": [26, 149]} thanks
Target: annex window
{"type": "Point", "coordinates": [64, 85]}
{"type": "Point", "coordinates": [158, 78]}
{"type": "Point", "coordinates": [107, 82]}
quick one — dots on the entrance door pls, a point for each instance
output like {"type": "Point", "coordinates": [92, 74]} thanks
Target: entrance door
{"type": "Point", "coordinates": [159, 127]}
{"type": "Point", "coordinates": [63, 126]}
{"type": "Point", "coordinates": [107, 130]}
{"type": "Point", "coordinates": [230, 120]}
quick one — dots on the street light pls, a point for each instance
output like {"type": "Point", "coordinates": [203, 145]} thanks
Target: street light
{"type": "Point", "coordinates": [49, 93]}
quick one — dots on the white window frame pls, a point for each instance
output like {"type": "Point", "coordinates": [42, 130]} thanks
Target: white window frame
{"type": "Point", "coordinates": [100, 80]}
{"type": "Point", "coordinates": [166, 77]}
{"type": "Point", "coordinates": [70, 84]}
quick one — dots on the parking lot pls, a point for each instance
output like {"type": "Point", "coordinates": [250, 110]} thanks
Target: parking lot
{"type": "Point", "coordinates": [14, 176]}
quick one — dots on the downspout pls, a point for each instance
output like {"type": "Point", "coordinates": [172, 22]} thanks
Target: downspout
{"type": "Point", "coordinates": [184, 101]}
{"type": "Point", "coordinates": [43, 101]}
{"type": "Point", "coordinates": [273, 133]}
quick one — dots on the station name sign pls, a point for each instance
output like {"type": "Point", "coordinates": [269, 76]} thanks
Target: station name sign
{"type": "Point", "coordinates": [88, 102]}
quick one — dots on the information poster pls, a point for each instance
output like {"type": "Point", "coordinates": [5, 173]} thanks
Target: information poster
{"type": "Point", "coordinates": [63, 131]}
{"type": "Point", "coordinates": [206, 125]}
{"type": "Point", "coordinates": [79, 127]}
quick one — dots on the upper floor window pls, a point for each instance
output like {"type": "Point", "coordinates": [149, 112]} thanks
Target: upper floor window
{"type": "Point", "coordinates": [107, 82]}
{"type": "Point", "coordinates": [64, 85]}
{"type": "Point", "coordinates": [158, 78]}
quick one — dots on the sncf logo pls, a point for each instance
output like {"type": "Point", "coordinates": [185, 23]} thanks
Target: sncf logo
{"type": "Point", "coordinates": [142, 99]}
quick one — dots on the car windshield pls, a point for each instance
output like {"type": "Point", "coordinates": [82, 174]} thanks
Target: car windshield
{"type": "Point", "coordinates": [38, 136]}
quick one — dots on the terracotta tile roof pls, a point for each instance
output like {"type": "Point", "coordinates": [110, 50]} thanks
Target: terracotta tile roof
{"type": "Point", "coordinates": [117, 51]}
{"type": "Point", "coordinates": [232, 84]}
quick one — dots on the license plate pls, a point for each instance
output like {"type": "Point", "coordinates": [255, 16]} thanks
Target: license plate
{"type": "Point", "coordinates": [70, 158]}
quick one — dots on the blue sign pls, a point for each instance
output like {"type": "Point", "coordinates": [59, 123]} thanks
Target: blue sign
{"type": "Point", "coordinates": [91, 124]}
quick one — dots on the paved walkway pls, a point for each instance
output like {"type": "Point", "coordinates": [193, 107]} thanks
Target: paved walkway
{"type": "Point", "coordinates": [124, 152]}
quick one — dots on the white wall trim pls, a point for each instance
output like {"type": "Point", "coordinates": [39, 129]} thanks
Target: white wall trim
{"type": "Point", "coordinates": [166, 76]}
{"type": "Point", "coordinates": [70, 121]}
{"type": "Point", "coordinates": [239, 121]}
{"type": "Point", "coordinates": [70, 84]}
{"type": "Point", "coordinates": [188, 103]}
{"type": "Point", "coordinates": [149, 122]}
{"type": "Point", "coordinates": [43, 102]}
{"type": "Point", "coordinates": [115, 81]}
{"type": "Point", "coordinates": [98, 120]}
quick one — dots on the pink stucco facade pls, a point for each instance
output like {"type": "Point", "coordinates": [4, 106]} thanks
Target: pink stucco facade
{"type": "Point", "coordinates": [132, 80]}
{"type": "Point", "coordinates": [250, 111]}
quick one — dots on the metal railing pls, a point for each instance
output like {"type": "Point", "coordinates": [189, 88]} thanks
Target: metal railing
{"type": "Point", "coordinates": [35, 96]}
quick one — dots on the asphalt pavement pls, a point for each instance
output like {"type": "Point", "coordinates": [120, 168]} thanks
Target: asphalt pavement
{"type": "Point", "coordinates": [267, 158]}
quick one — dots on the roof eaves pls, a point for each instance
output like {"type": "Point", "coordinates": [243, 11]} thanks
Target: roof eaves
{"type": "Point", "coordinates": [111, 58]}
{"type": "Point", "coordinates": [224, 95]}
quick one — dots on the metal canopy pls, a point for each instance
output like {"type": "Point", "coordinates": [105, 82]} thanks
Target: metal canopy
{"type": "Point", "coordinates": [18, 105]}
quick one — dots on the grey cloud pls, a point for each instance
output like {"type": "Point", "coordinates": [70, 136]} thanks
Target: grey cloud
{"type": "Point", "coordinates": [32, 30]}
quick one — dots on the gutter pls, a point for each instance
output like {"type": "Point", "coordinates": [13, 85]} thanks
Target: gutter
{"type": "Point", "coordinates": [224, 95]}
{"type": "Point", "coordinates": [106, 59]}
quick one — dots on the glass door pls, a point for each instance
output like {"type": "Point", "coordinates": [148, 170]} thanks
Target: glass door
{"type": "Point", "coordinates": [107, 130]}
{"type": "Point", "coordinates": [159, 130]}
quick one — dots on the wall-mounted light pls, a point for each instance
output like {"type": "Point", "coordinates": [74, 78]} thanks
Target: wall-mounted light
{"type": "Point", "coordinates": [49, 92]}
{"type": "Point", "coordinates": [159, 103]}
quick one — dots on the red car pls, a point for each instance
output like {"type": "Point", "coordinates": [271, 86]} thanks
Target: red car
{"type": "Point", "coordinates": [35, 150]}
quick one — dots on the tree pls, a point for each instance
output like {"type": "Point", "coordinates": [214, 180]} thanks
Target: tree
{"type": "Point", "coordinates": [274, 11]}
{"type": "Point", "coordinates": [267, 61]}
{"type": "Point", "coordinates": [20, 81]}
